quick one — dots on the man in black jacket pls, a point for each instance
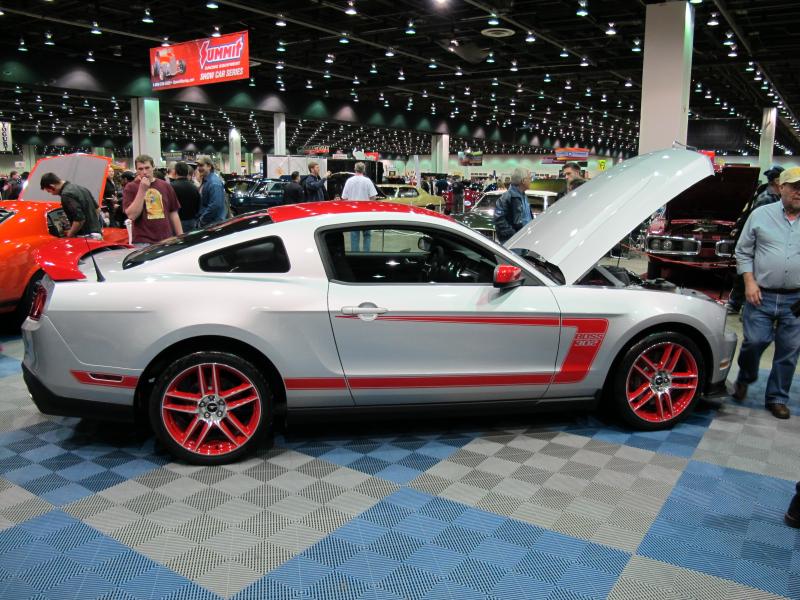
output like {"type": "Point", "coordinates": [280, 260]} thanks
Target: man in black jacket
{"type": "Point", "coordinates": [314, 184]}
{"type": "Point", "coordinates": [81, 208]}
{"type": "Point", "coordinates": [294, 191]}
{"type": "Point", "coordinates": [188, 196]}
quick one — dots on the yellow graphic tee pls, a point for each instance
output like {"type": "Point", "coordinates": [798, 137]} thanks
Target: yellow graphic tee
{"type": "Point", "coordinates": [154, 204]}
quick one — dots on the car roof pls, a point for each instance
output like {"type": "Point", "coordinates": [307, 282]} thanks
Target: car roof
{"type": "Point", "coordinates": [288, 212]}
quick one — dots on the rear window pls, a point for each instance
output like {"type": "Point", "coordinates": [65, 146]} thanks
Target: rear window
{"type": "Point", "coordinates": [4, 214]}
{"type": "Point", "coordinates": [256, 256]}
{"type": "Point", "coordinates": [195, 238]}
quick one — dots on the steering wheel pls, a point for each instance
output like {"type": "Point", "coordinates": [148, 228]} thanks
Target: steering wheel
{"type": "Point", "coordinates": [433, 264]}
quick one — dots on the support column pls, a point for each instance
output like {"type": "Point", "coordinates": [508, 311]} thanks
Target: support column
{"type": "Point", "coordinates": [235, 150]}
{"type": "Point", "coordinates": [279, 133]}
{"type": "Point", "coordinates": [440, 152]}
{"type": "Point", "coordinates": [667, 75]}
{"type": "Point", "coordinates": [28, 156]}
{"type": "Point", "coordinates": [248, 159]}
{"type": "Point", "coordinates": [146, 128]}
{"type": "Point", "coordinates": [417, 172]}
{"type": "Point", "coordinates": [769, 120]}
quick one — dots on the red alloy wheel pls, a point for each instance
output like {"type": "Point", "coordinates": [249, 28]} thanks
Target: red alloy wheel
{"type": "Point", "coordinates": [211, 409]}
{"type": "Point", "coordinates": [662, 382]}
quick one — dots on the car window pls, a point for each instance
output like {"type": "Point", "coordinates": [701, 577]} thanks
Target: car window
{"type": "Point", "coordinates": [193, 238]}
{"type": "Point", "coordinates": [406, 255]}
{"type": "Point", "coordinates": [488, 202]}
{"type": "Point", "coordinates": [257, 256]}
{"type": "Point", "coordinates": [408, 193]}
{"type": "Point", "coordinates": [4, 214]}
{"type": "Point", "coordinates": [240, 187]}
{"type": "Point", "coordinates": [262, 188]}
{"type": "Point", "coordinates": [58, 222]}
{"type": "Point", "coordinates": [389, 191]}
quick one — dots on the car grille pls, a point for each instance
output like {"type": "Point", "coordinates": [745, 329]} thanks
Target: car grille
{"type": "Point", "coordinates": [672, 245]}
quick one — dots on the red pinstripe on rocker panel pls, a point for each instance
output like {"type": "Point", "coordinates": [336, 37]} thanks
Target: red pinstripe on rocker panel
{"type": "Point", "coordinates": [589, 336]}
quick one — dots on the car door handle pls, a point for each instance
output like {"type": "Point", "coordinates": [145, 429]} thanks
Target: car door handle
{"type": "Point", "coordinates": [363, 310]}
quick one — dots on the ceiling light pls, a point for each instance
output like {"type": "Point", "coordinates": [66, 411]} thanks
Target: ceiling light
{"type": "Point", "coordinates": [547, 78]}
{"type": "Point", "coordinates": [329, 58]}
{"type": "Point", "coordinates": [326, 74]}
{"type": "Point", "coordinates": [459, 72]}
{"type": "Point", "coordinates": [281, 46]}
{"type": "Point", "coordinates": [22, 47]}
{"type": "Point", "coordinates": [212, 5]}
{"type": "Point", "coordinates": [604, 98]}
{"type": "Point", "coordinates": [695, 1]}
{"type": "Point", "coordinates": [373, 69]}
{"type": "Point", "coordinates": [252, 82]}
{"type": "Point", "coordinates": [567, 85]}
{"type": "Point", "coordinates": [401, 76]}
{"type": "Point", "coordinates": [48, 39]}
{"type": "Point", "coordinates": [637, 45]}
{"type": "Point", "coordinates": [441, 85]}
{"type": "Point", "coordinates": [493, 20]}
{"type": "Point", "coordinates": [513, 67]}
{"type": "Point", "coordinates": [732, 52]}
{"type": "Point", "coordinates": [588, 92]}
{"type": "Point", "coordinates": [309, 85]}
{"type": "Point", "coordinates": [351, 8]}
{"type": "Point", "coordinates": [757, 76]}
{"type": "Point", "coordinates": [165, 41]}
{"type": "Point", "coordinates": [564, 53]}
{"type": "Point", "coordinates": [147, 18]}
{"type": "Point", "coordinates": [629, 83]}
{"type": "Point", "coordinates": [728, 39]}
{"type": "Point", "coordinates": [424, 93]}
{"type": "Point", "coordinates": [530, 38]}
{"type": "Point", "coordinates": [389, 52]}
{"type": "Point", "coordinates": [495, 82]}
{"type": "Point", "coordinates": [410, 28]}
{"type": "Point", "coordinates": [96, 28]}
{"type": "Point", "coordinates": [583, 8]}
{"type": "Point", "coordinates": [90, 56]}
{"type": "Point", "coordinates": [584, 62]}
{"type": "Point", "coordinates": [280, 22]}
{"type": "Point", "coordinates": [750, 67]}
{"type": "Point", "coordinates": [279, 65]}
{"type": "Point", "coordinates": [432, 64]}
{"type": "Point", "coordinates": [344, 38]}
{"type": "Point", "coordinates": [216, 32]}
{"type": "Point", "coordinates": [713, 21]}
{"type": "Point", "coordinates": [490, 57]}
{"type": "Point", "coordinates": [611, 30]}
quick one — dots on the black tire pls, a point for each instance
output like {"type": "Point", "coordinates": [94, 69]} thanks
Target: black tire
{"type": "Point", "coordinates": [655, 411]}
{"type": "Point", "coordinates": [228, 435]}
{"type": "Point", "coordinates": [653, 270]}
{"type": "Point", "coordinates": [25, 303]}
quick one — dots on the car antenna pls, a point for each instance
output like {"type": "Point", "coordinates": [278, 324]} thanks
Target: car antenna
{"type": "Point", "coordinates": [100, 277]}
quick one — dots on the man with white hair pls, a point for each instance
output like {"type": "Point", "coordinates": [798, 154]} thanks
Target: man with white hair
{"type": "Point", "coordinates": [512, 211]}
{"type": "Point", "coordinates": [359, 187]}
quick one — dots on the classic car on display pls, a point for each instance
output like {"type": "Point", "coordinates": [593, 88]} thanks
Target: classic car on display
{"type": "Point", "coordinates": [481, 217]}
{"type": "Point", "coordinates": [229, 327]}
{"type": "Point", "coordinates": [410, 195]}
{"type": "Point", "coordinates": [696, 229]}
{"type": "Point", "coordinates": [255, 194]}
{"type": "Point", "coordinates": [472, 192]}
{"type": "Point", "coordinates": [36, 220]}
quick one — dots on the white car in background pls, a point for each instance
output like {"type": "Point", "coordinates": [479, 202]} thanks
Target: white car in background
{"type": "Point", "coordinates": [210, 335]}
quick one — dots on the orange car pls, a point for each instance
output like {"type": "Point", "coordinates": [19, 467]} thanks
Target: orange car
{"type": "Point", "coordinates": [36, 220]}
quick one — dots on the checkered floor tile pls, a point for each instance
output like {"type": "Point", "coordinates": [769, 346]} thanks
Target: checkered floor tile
{"type": "Point", "coordinates": [414, 545]}
{"type": "Point", "coordinates": [556, 507]}
{"type": "Point", "coordinates": [728, 523]}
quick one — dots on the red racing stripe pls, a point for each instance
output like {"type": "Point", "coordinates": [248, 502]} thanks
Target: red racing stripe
{"type": "Point", "coordinates": [316, 383]}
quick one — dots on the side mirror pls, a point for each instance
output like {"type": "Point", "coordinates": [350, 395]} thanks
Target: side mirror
{"type": "Point", "coordinates": [507, 277]}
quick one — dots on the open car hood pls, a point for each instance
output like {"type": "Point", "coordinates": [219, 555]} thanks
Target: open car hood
{"type": "Point", "coordinates": [721, 197]}
{"type": "Point", "coordinates": [585, 224]}
{"type": "Point", "coordinates": [87, 170]}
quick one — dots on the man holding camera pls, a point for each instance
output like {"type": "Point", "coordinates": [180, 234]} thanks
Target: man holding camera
{"type": "Point", "coordinates": [768, 258]}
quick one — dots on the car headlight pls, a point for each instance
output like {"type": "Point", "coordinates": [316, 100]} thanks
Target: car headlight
{"type": "Point", "coordinates": [667, 245]}
{"type": "Point", "coordinates": [655, 244]}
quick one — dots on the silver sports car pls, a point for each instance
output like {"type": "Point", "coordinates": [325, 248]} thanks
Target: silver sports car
{"type": "Point", "coordinates": [334, 306]}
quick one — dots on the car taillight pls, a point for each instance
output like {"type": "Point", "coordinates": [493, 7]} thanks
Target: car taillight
{"type": "Point", "coordinates": [37, 306]}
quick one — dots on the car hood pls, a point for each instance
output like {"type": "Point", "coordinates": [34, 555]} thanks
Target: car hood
{"type": "Point", "coordinates": [721, 197]}
{"type": "Point", "coordinates": [585, 224]}
{"type": "Point", "coordinates": [87, 170]}
{"type": "Point", "coordinates": [476, 220]}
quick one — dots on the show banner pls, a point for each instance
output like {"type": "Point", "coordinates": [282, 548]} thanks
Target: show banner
{"type": "Point", "coordinates": [199, 62]}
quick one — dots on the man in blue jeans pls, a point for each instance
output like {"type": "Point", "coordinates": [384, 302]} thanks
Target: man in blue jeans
{"type": "Point", "coordinates": [768, 258]}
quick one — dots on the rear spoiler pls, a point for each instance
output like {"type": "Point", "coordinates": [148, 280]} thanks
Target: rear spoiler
{"type": "Point", "coordinates": [60, 258]}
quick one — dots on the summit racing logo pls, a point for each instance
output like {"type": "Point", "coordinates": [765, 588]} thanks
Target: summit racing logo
{"type": "Point", "coordinates": [214, 54]}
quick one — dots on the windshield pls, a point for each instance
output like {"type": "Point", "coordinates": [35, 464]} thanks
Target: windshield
{"type": "Point", "coordinates": [239, 186]}
{"type": "Point", "coordinates": [486, 204]}
{"type": "Point", "coordinates": [214, 232]}
{"type": "Point", "coordinates": [4, 214]}
{"type": "Point", "coordinates": [548, 268]}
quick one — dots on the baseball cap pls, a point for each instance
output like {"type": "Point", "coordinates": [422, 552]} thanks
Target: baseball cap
{"type": "Point", "coordinates": [790, 175]}
{"type": "Point", "coordinates": [773, 173]}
